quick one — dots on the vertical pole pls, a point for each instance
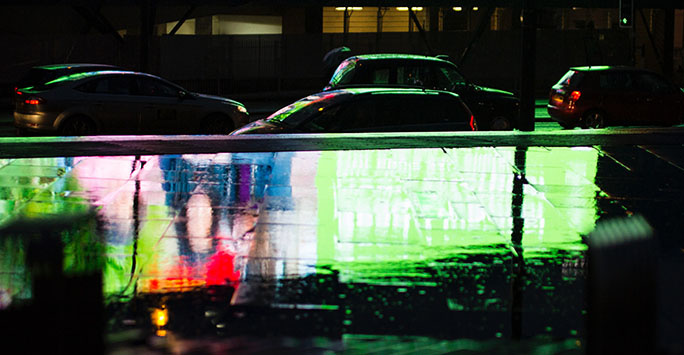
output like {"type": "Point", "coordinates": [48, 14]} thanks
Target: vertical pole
{"type": "Point", "coordinates": [347, 16]}
{"type": "Point", "coordinates": [144, 39]}
{"type": "Point", "coordinates": [668, 45]}
{"type": "Point", "coordinates": [518, 277]}
{"type": "Point", "coordinates": [378, 32]}
{"type": "Point", "coordinates": [527, 72]}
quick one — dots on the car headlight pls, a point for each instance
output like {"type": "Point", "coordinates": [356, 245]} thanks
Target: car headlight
{"type": "Point", "coordinates": [242, 109]}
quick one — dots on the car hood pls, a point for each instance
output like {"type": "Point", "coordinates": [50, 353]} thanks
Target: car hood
{"type": "Point", "coordinates": [260, 127]}
{"type": "Point", "coordinates": [217, 98]}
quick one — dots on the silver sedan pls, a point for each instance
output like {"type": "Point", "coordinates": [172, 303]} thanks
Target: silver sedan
{"type": "Point", "coordinates": [122, 102]}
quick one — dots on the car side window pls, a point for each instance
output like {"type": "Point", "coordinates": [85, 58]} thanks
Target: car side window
{"type": "Point", "coordinates": [616, 81]}
{"type": "Point", "coordinates": [356, 116]}
{"type": "Point", "coordinates": [448, 78]}
{"type": "Point", "coordinates": [353, 116]}
{"type": "Point", "coordinates": [154, 87]}
{"type": "Point", "coordinates": [652, 83]}
{"type": "Point", "coordinates": [381, 76]}
{"type": "Point", "coordinates": [114, 85]}
{"type": "Point", "coordinates": [411, 75]}
{"type": "Point", "coordinates": [326, 121]}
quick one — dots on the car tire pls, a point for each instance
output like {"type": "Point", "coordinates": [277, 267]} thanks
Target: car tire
{"type": "Point", "coordinates": [77, 126]}
{"type": "Point", "coordinates": [500, 123]}
{"type": "Point", "coordinates": [216, 124]}
{"type": "Point", "coordinates": [594, 119]}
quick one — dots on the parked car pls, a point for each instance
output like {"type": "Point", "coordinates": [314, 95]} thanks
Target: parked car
{"type": "Point", "coordinates": [123, 102]}
{"type": "Point", "coordinates": [368, 110]}
{"type": "Point", "coordinates": [494, 109]}
{"type": "Point", "coordinates": [599, 96]}
{"type": "Point", "coordinates": [42, 74]}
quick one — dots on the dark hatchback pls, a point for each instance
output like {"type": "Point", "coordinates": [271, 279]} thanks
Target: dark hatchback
{"type": "Point", "coordinates": [368, 110]}
{"type": "Point", "coordinates": [600, 96]}
{"type": "Point", "coordinates": [494, 109]}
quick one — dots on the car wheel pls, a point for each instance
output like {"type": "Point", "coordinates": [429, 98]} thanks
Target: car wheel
{"type": "Point", "coordinates": [78, 126]}
{"type": "Point", "coordinates": [594, 119]}
{"type": "Point", "coordinates": [500, 123]}
{"type": "Point", "coordinates": [217, 124]}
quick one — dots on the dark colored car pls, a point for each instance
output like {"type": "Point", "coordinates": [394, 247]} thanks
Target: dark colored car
{"type": "Point", "coordinates": [123, 102]}
{"type": "Point", "coordinates": [494, 109]}
{"type": "Point", "coordinates": [368, 110]}
{"type": "Point", "coordinates": [42, 74]}
{"type": "Point", "coordinates": [599, 96]}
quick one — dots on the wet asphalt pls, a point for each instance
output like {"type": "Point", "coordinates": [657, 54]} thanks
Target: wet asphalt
{"type": "Point", "coordinates": [481, 242]}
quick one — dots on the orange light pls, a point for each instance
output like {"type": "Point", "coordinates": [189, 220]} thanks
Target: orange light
{"type": "Point", "coordinates": [160, 317]}
{"type": "Point", "coordinates": [33, 101]}
{"type": "Point", "coordinates": [575, 95]}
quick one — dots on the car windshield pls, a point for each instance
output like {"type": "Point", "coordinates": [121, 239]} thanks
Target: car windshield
{"type": "Point", "coordinates": [301, 110]}
{"type": "Point", "coordinates": [340, 76]}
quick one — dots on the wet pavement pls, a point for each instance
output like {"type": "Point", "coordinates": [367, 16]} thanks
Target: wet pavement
{"type": "Point", "coordinates": [430, 243]}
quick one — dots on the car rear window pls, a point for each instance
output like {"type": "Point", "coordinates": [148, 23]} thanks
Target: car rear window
{"type": "Point", "coordinates": [36, 76]}
{"type": "Point", "coordinates": [571, 79]}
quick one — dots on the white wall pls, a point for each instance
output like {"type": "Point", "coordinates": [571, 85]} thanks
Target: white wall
{"type": "Point", "coordinates": [246, 25]}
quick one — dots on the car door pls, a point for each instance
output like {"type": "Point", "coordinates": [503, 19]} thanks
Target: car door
{"type": "Point", "coordinates": [115, 108]}
{"type": "Point", "coordinates": [162, 108]}
{"type": "Point", "coordinates": [618, 96]}
{"type": "Point", "coordinates": [660, 100]}
{"type": "Point", "coordinates": [423, 113]}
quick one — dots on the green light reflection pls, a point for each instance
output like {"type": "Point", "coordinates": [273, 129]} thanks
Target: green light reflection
{"type": "Point", "coordinates": [401, 207]}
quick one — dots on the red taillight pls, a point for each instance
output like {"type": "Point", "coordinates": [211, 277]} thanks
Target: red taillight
{"type": "Point", "coordinates": [575, 95]}
{"type": "Point", "coordinates": [473, 126]}
{"type": "Point", "coordinates": [34, 100]}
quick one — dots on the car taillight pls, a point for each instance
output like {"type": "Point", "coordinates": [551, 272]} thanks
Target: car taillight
{"type": "Point", "coordinates": [34, 100]}
{"type": "Point", "coordinates": [575, 95]}
{"type": "Point", "coordinates": [473, 125]}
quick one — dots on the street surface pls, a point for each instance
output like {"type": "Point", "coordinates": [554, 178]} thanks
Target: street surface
{"type": "Point", "coordinates": [443, 242]}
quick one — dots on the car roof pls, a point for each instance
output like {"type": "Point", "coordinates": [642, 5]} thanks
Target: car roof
{"type": "Point", "coordinates": [365, 91]}
{"type": "Point", "coordinates": [606, 68]}
{"type": "Point", "coordinates": [396, 56]}
{"type": "Point", "coordinates": [90, 74]}
{"type": "Point", "coordinates": [73, 65]}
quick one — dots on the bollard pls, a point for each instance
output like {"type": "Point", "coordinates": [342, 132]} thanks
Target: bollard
{"type": "Point", "coordinates": [621, 290]}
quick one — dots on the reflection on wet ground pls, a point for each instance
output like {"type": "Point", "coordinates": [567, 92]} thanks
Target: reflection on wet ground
{"type": "Point", "coordinates": [482, 248]}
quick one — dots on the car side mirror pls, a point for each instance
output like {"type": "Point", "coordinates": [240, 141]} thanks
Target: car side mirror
{"type": "Point", "coordinates": [183, 94]}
